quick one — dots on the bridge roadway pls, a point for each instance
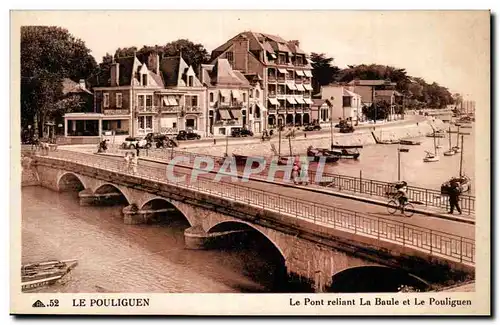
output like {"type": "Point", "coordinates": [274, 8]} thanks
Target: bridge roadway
{"type": "Point", "coordinates": [303, 194]}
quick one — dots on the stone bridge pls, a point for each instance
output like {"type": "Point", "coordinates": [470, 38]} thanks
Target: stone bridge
{"type": "Point", "coordinates": [311, 253]}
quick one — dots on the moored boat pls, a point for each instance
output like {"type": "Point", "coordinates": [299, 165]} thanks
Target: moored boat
{"type": "Point", "coordinates": [318, 153]}
{"type": "Point", "coordinates": [346, 151]}
{"type": "Point", "coordinates": [431, 157]}
{"type": "Point", "coordinates": [45, 273]}
{"type": "Point", "coordinates": [377, 141]}
{"type": "Point", "coordinates": [437, 134]}
{"type": "Point", "coordinates": [408, 142]}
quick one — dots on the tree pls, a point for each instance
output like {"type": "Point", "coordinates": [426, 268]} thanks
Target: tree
{"type": "Point", "coordinates": [323, 72]}
{"type": "Point", "coordinates": [49, 54]}
{"type": "Point", "coordinates": [380, 112]}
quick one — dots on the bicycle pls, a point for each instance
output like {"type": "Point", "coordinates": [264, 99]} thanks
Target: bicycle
{"type": "Point", "coordinates": [394, 205]}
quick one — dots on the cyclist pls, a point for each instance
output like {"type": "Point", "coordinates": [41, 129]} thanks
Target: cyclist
{"type": "Point", "coordinates": [401, 194]}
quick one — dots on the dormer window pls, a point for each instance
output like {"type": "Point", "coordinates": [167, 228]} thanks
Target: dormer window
{"type": "Point", "coordinates": [190, 81]}
{"type": "Point", "coordinates": [144, 79]}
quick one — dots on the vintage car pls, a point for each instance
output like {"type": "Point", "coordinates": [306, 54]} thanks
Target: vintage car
{"type": "Point", "coordinates": [312, 127]}
{"type": "Point", "coordinates": [241, 132]}
{"type": "Point", "coordinates": [135, 142]}
{"type": "Point", "coordinates": [188, 135]}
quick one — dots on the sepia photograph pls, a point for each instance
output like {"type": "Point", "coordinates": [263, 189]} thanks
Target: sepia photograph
{"type": "Point", "coordinates": [309, 162]}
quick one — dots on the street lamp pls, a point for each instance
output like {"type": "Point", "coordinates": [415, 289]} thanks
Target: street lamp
{"type": "Point", "coordinates": [331, 122]}
{"type": "Point", "coordinates": [399, 160]}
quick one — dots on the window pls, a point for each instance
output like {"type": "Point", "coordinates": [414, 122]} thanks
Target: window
{"type": "Point", "coordinates": [149, 100]}
{"type": "Point", "coordinates": [141, 122]}
{"type": "Point", "coordinates": [118, 124]}
{"type": "Point", "coordinates": [211, 97]}
{"type": "Point", "coordinates": [244, 97]}
{"type": "Point", "coordinates": [190, 123]}
{"type": "Point", "coordinates": [346, 101]}
{"type": "Point", "coordinates": [194, 101]}
{"type": "Point", "coordinates": [106, 100]}
{"type": "Point", "coordinates": [257, 94]}
{"type": "Point", "coordinates": [250, 94]}
{"type": "Point", "coordinates": [149, 122]}
{"type": "Point", "coordinates": [174, 125]}
{"type": "Point", "coordinates": [222, 99]}
{"type": "Point", "coordinates": [140, 100]}
{"type": "Point", "coordinates": [230, 58]}
{"type": "Point", "coordinates": [250, 110]}
{"type": "Point", "coordinates": [190, 81]}
{"type": "Point", "coordinates": [144, 79]}
{"type": "Point", "coordinates": [119, 100]}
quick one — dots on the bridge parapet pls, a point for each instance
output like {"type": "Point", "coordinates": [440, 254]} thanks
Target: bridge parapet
{"type": "Point", "coordinates": [291, 211]}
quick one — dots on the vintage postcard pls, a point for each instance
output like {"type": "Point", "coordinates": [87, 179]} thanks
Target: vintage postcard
{"type": "Point", "coordinates": [250, 162]}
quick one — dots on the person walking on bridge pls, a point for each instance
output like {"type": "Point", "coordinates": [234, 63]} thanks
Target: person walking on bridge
{"type": "Point", "coordinates": [454, 197]}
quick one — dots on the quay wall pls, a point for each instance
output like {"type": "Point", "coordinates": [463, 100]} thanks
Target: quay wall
{"type": "Point", "coordinates": [361, 136]}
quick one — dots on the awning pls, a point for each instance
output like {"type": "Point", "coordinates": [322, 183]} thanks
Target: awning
{"type": "Point", "coordinates": [308, 87]}
{"type": "Point", "coordinates": [299, 72]}
{"type": "Point", "coordinates": [166, 102]}
{"type": "Point", "coordinates": [225, 93]}
{"type": "Point", "coordinates": [291, 86]}
{"type": "Point", "coordinates": [308, 101]}
{"type": "Point", "coordinates": [282, 71]}
{"type": "Point", "coordinates": [236, 94]}
{"type": "Point", "coordinates": [300, 87]}
{"type": "Point", "coordinates": [171, 100]}
{"type": "Point", "coordinates": [308, 73]}
{"type": "Point", "coordinates": [224, 114]}
{"type": "Point", "coordinates": [291, 100]}
{"type": "Point", "coordinates": [236, 113]}
{"type": "Point", "coordinates": [300, 100]}
{"type": "Point", "coordinates": [274, 101]}
{"type": "Point", "coordinates": [261, 106]}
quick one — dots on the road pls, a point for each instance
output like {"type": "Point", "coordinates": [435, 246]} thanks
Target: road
{"type": "Point", "coordinates": [420, 220]}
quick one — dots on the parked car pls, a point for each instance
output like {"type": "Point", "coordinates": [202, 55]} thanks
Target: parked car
{"type": "Point", "coordinates": [135, 142]}
{"type": "Point", "coordinates": [311, 127]}
{"type": "Point", "coordinates": [188, 135]}
{"type": "Point", "coordinates": [237, 132]}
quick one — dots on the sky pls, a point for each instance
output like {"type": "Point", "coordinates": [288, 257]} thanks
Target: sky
{"type": "Point", "coordinates": [449, 47]}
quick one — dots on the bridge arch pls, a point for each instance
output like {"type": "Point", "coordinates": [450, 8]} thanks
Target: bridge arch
{"type": "Point", "coordinates": [243, 225]}
{"type": "Point", "coordinates": [105, 188]}
{"type": "Point", "coordinates": [161, 202]}
{"type": "Point", "coordinates": [71, 181]}
{"type": "Point", "coordinates": [374, 278]}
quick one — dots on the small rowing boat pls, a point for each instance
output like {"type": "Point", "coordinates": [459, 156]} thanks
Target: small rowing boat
{"type": "Point", "coordinates": [45, 273]}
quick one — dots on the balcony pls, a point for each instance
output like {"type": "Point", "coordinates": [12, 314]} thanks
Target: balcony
{"type": "Point", "coordinates": [271, 94]}
{"type": "Point", "coordinates": [227, 122]}
{"type": "Point", "coordinates": [307, 95]}
{"type": "Point", "coordinates": [298, 80]}
{"type": "Point", "coordinates": [271, 78]}
{"type": "Point", "coordinates": [281, 78]}
{"type": "Point", "coordinates": [147, 109]}
{"type": "Point", "coordinates": [306, 80]}
{"type": "Point", "coordinates": [110, 111]}
{"type": "Point", "coordinates": [232, 105]}
{"type": "Point", "coordinates": [171, 109]}
{"type": "Point", "coordinates": [192, 109]}
{"type": "Point", "coordinates": [271, 111]}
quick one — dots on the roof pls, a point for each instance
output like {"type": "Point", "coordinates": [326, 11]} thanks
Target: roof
{"type": "Point", "coordinates": [157, 78]}
{"type": "Point", "coordinates": [371, 82]}
{"type": "Point", "coordinates": [346, 92]}
{"type": "Point", "coordinates": [387, 93]}
{"type": "Point", "coordinates": [259, 42]}
{"type": "Point", "coordinates": [318, 102]}
{"type": "Point", "coordinates": [71, 87]}
{"type": "Point", "coordinates": [169, 70]}
{"type": "Point", "coordinates": [221, 73]}
{"type": "Point", "coordinates": [126, 70]}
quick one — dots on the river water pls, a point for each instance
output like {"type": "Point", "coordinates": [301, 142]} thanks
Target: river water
{"type": "Point", "coordinates": [114, 257]}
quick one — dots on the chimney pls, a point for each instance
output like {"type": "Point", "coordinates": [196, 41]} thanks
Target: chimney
{"type": "Point", "coordinates": [153, 63]}
{"type": "Point", "coordinates": [295, 42]}
{"type": "Point", "coordinates": [82, 84]}
{"type": "Point", "coordinates": [115, 74]}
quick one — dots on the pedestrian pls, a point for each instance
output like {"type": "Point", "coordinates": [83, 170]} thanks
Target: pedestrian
{"type": "Point", "coordinates": [137, 149]}
{"type": "Point", "coordinates": [127, 161]}
{"type": "Point", "coordinates": [215, 141]}
{"type": "Point", "coordinates": [295, 172]}
{"type": "Point", "coordinates": [454, 197]}
{"type": "Point", "coordinates": [304, 168]}
{"type": "Point", "coordinates": [134, 162]}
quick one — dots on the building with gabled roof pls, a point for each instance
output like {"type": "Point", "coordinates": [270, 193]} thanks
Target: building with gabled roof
{"type": "Point", "coordinates": [284, 69]}
{"type": "Point", "coordinates": [160, 95]}
{"type": "Point", "coordinates": [229, 99]}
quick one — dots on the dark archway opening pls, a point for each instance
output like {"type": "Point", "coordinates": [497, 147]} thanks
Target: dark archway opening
{"type": "Point", "coordinates": [163, 213]}
{"type": "Point", "coordinates": [70, 183]}
{"type": "Point", "coordinates": [256, 257]}
{"type": "Point", "coordinates": [375, 279]}
{"type": "Point", "coordinates": [110, 195]}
